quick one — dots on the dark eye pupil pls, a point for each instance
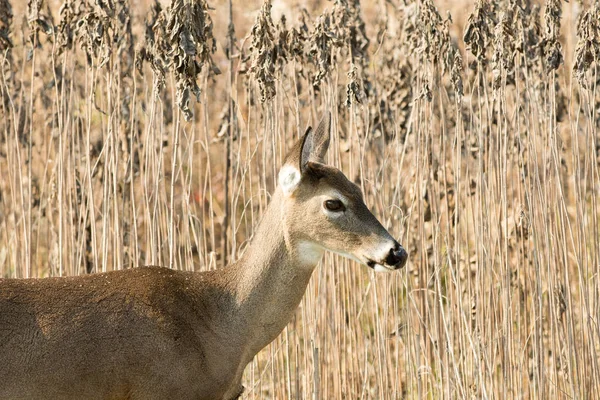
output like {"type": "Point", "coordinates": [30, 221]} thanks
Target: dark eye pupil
{"type": "Point", "coordinates": [334, 205]}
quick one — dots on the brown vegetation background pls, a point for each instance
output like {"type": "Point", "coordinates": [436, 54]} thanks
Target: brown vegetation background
{"type": "Point", "coordinates": [138, 133]}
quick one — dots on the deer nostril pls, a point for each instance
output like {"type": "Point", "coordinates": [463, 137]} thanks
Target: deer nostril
{"type": "Point", "coordinates": [403, 256]}
{"type": "Point", "coordinates": [397, 256]}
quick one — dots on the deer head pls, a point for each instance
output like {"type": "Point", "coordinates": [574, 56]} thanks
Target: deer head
{"type": "Point", "coordinates": [323, 210]}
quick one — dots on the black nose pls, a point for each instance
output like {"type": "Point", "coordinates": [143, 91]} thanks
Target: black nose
{"type": "Point", "coordinates": [397, 257]}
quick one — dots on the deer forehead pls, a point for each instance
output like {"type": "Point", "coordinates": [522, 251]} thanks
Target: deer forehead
{"type": "Point", "coordinates": [336, 185]}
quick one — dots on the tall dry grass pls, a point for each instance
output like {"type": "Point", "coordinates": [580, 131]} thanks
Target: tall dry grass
{"type": "Point", "coordinates": [131, 138]}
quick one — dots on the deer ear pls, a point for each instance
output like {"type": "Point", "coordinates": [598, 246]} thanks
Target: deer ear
{"type": "Point", "coordinates": [289, 178]}
{"type": "Point", "coordinates": [306, 149]}
{"type": "Point", "coordinates": [316, 143]}
{"type": "Point", "coordinates": [295, 164]}
{"type": "Point", "coordinates": [312, 147]}
{"type": "Point", "coordinates": [320, 139]}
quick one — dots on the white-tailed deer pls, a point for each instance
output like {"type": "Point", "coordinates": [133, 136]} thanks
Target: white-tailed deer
{"type": "Point", "coordinates": [156, 333]}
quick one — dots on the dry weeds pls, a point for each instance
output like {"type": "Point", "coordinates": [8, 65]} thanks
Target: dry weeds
{"type": "Point", "coordinates": [476, 142]}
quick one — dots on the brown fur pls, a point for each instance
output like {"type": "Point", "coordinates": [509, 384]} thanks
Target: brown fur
{"type": "Point", "coordinates": [155, 333]}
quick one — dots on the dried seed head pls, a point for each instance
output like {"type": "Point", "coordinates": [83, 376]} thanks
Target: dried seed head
{"type": "Point", "coordinates": [560, 300]}
{"type": "Point", "coordinates": [350, 28]}
{"type": "Point", "coordinates": [587, 52]}
{"type": "Point", "coordinates": [431, 38]}
{"type": "Point", "coordinates": [425, 92]}
{"type": "Point", "coordinates": [396, 75]}
{"type": "Point", "coordinates": [95, 29]}
{"type": "Point", "coordinates": [124, 36]}
{"type": "Point", "coordinates": [530, 33]}
{"type": "Point", "coordinates": [354, 89]}
{"type": "Point", "coordinates": [451, 59]}
{"type": "Point", "coordinates": [158, 45]}
{"type": "Point", "coordinates": [323, 43]}
{"type": "Point", "coordinates": [552, 47]}
{"type": "Point", "coordinates": [478, 32]}
{"type": "Point", "coordinates": [38, 20]}
{"type": "Point", "coordinates": [456, 71]}
{"type": "Point", "coordinates": [290, 43]}
{"type": "Point", "coordinates": [184, 42]}
{"type": "Point", "coordinates": [65, 29]}
{"type": "Point", "coordinates": [6, 17]}
{"type": "Point", "coordinates": [504, 49]}
{"type": "Point", "coordinates": [264, 52]}
{"type": "Point", "coordinates": [430, 34]}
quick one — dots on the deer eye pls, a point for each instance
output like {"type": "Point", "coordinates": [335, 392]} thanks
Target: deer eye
{"type": "Point", "coordinates": [334, 205]}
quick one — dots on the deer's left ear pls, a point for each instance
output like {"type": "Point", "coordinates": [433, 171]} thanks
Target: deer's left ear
{"type": "Point", "coordinates": [316, 144]}
{"type": "Point", "coordinates": [312, 147]}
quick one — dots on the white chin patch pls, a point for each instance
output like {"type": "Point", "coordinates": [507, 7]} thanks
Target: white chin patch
{"type": "Point", "coordinates": [381, 268]}
{"type": "Point", "coordinates": [309, 253]}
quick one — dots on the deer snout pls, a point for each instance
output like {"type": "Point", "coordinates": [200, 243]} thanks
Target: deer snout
{"type": "Point", "coordinates": [397, 256]}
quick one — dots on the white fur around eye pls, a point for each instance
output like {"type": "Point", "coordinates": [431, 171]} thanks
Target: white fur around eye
{"type": "Point", "coordinates": [289, 178]}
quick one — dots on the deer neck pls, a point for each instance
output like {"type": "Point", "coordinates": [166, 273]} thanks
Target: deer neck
{"type": "Point", "coordinates": [271, 277]}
